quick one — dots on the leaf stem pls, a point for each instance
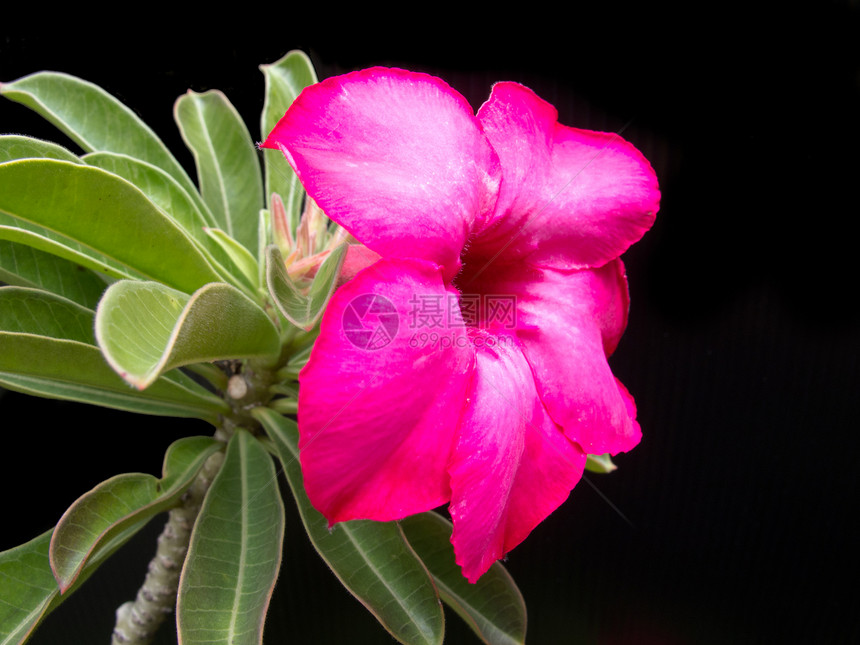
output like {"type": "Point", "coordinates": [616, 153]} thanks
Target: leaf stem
{"type": "Point", "coordinates": [284, 406]}
{"type": "Point", "coordinates": [137, 621]}
{"type": "Point", "coordinates": [212, 373]}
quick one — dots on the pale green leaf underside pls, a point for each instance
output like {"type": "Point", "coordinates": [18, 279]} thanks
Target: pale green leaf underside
{"type": "Point", "coordinates": [235, 551]}
{"type": "Point", "coordinates": [228, 168]}
{"type": "Point", "coordinates": [285, 79]}
{"type": "Point", "coordinates": [146, 329]}
{"type": "Point", "coordinates": [103, 213]}
{"type": "Point", "coordinates": [493, 607]}
{"type": "Point", "coordinates": [302, 309]}
{"type": "Point", "coordinates": [120, 502]}
{"type": "Point", "coordinates": [93, 119]}
{"type": "Point", "coordinates": [372, 559]}
{"type": "Point", "coordinates": [14, 146]}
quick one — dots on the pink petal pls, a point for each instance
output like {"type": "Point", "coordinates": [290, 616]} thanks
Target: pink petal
{"type": "Point", "coordinates": [378, 411]}
{"type": "Point", "coordinates": [571, 198]}
{"type": "Point", "coordinates": [396, 157]}
{"type": "Point", "coordinates": [358, 257]}
{"type": "Point", "coordinates": [511, 466]}
{"type": "Point", "coordinates": [568, 323]}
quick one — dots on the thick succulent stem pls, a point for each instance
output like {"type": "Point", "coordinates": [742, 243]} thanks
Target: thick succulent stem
{"type": "Point", "coordinates": [138, 620]}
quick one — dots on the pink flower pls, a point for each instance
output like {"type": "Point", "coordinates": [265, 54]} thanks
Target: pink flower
{"type": "Point", "coordinates": [495, 412]}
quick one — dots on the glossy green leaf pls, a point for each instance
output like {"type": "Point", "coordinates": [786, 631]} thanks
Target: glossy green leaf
{"type": "Point", "coordinates": [163, 398]}
{"type": "Point", "coordinates": [493, 607]}
{"type": "Point", "coordinates": [238, 254]}
{"type": "Point", "coordinates": [228, 169]}
{"type": "Point", "coordinates": [162, 189]}
{"type": "Point", "coordinates": [101, 212]}
{"type": "Point", "coordinates": [235, 551]}
{"type": "Point", "coordinates": [13, 146]}
{"type": "Point", "coordinates": [24, 266]}
{"type": "Point", "coordinates": [285, 79]}
{"type": "Point", "coordinates": [47, 349]}
{"type": "Point", "coordinates": [372, 559]}
{"type": "Point", "coordinates": [264, 235]}
{"type": "Point", "coordinates": [120, 502]}
{"type": "Point", "coordinates": [32, 311]}
{"type": "Point", "coordinates": [27, 589]}
{"type": "Point", "coordinates": [600, 464]}
{"type": "Point", "coordinates": [93, 119]}
{"type": "Point", "coordinates": [173, 200]}
{"type": "Point", "coordinates": [300, 308]}
{"type": "Point", "coordinates": [146, 329]}
{"type": "Point", "coordinates": [47, 241]}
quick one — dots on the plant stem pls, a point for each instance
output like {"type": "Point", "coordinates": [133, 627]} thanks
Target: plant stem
{"type": "Point", "coordinates": [138, 620]}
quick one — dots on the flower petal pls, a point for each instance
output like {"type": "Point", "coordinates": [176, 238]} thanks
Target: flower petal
{"type": "Point", "coordinates": [511, 466]}
{"type": "Point", "coordinates": [571, 198]}
{"type": "Point", "coordinates": [378, 412]}
{"type": "Point", "coordinates": [568, 323]}
{"type": "Point", "coordinates": [395, 157]}
{"type": "Point", "coordinates": [358, 257]}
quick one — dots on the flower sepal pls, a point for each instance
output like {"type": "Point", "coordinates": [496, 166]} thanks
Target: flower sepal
{"type": "Point", "coordinates": [600, 464]}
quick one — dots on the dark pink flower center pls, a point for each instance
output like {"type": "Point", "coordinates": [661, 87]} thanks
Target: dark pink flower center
{"type": "Point", "coordinates": [480, 305]}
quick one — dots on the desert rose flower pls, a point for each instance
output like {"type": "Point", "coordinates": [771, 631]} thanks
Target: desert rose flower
{"type": "Point", "coordinates": [468, 364]}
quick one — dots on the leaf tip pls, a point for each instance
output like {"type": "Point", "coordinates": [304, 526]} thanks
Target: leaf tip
{"type": "Point", "coordinates": [138, 383]}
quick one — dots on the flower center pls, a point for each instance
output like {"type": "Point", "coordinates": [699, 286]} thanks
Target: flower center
{"type": "Point", "coordinates": [480, 306]}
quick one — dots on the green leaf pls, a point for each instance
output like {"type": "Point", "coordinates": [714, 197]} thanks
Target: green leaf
{"type": "Point", "coordinates": [493, 607]}
{"type": "Point", "coordinates": [285, 79]}
{"type": "Point", "coordinates": [98, 215]}
{"type": "Point", "coordinates": [146, 329]}
{"type": "Point", "coordinates": [228, 168]}
{"type": "Point", "coordinates": [302, 309]}
{"type": "Point", "coordinates": [173, 200]}
{"type": "Point", "coordinates": [31, 311]}
{"type": "Point", "coordinates": [47, 349]}
{"type": "Point", "coordinates": [238, 254]}
{"type": "Point", "coordinates": [47, 241]}
{"type": "Point", "coordinates": [25, 266]}
{"type": "Point", "coordinates": [13, 146]}
{"type": "Point", "coordinates": [121, 502]}
{"type": "Point", "coordinates": [27, 590]}
{"type": "Point", "coordinates": [93, 119]}
{"type": "Point", "coordinates": [372, 559]}
{"type": "Point", "coordinates": [235, 551]}
{"type": "Point", "coordinates": [600, 464]}
{"type": "Point", "coordinates": [264, 232]}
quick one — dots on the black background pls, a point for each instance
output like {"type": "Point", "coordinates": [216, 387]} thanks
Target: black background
{"type": "Point", "coordinates": [733, 521]}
